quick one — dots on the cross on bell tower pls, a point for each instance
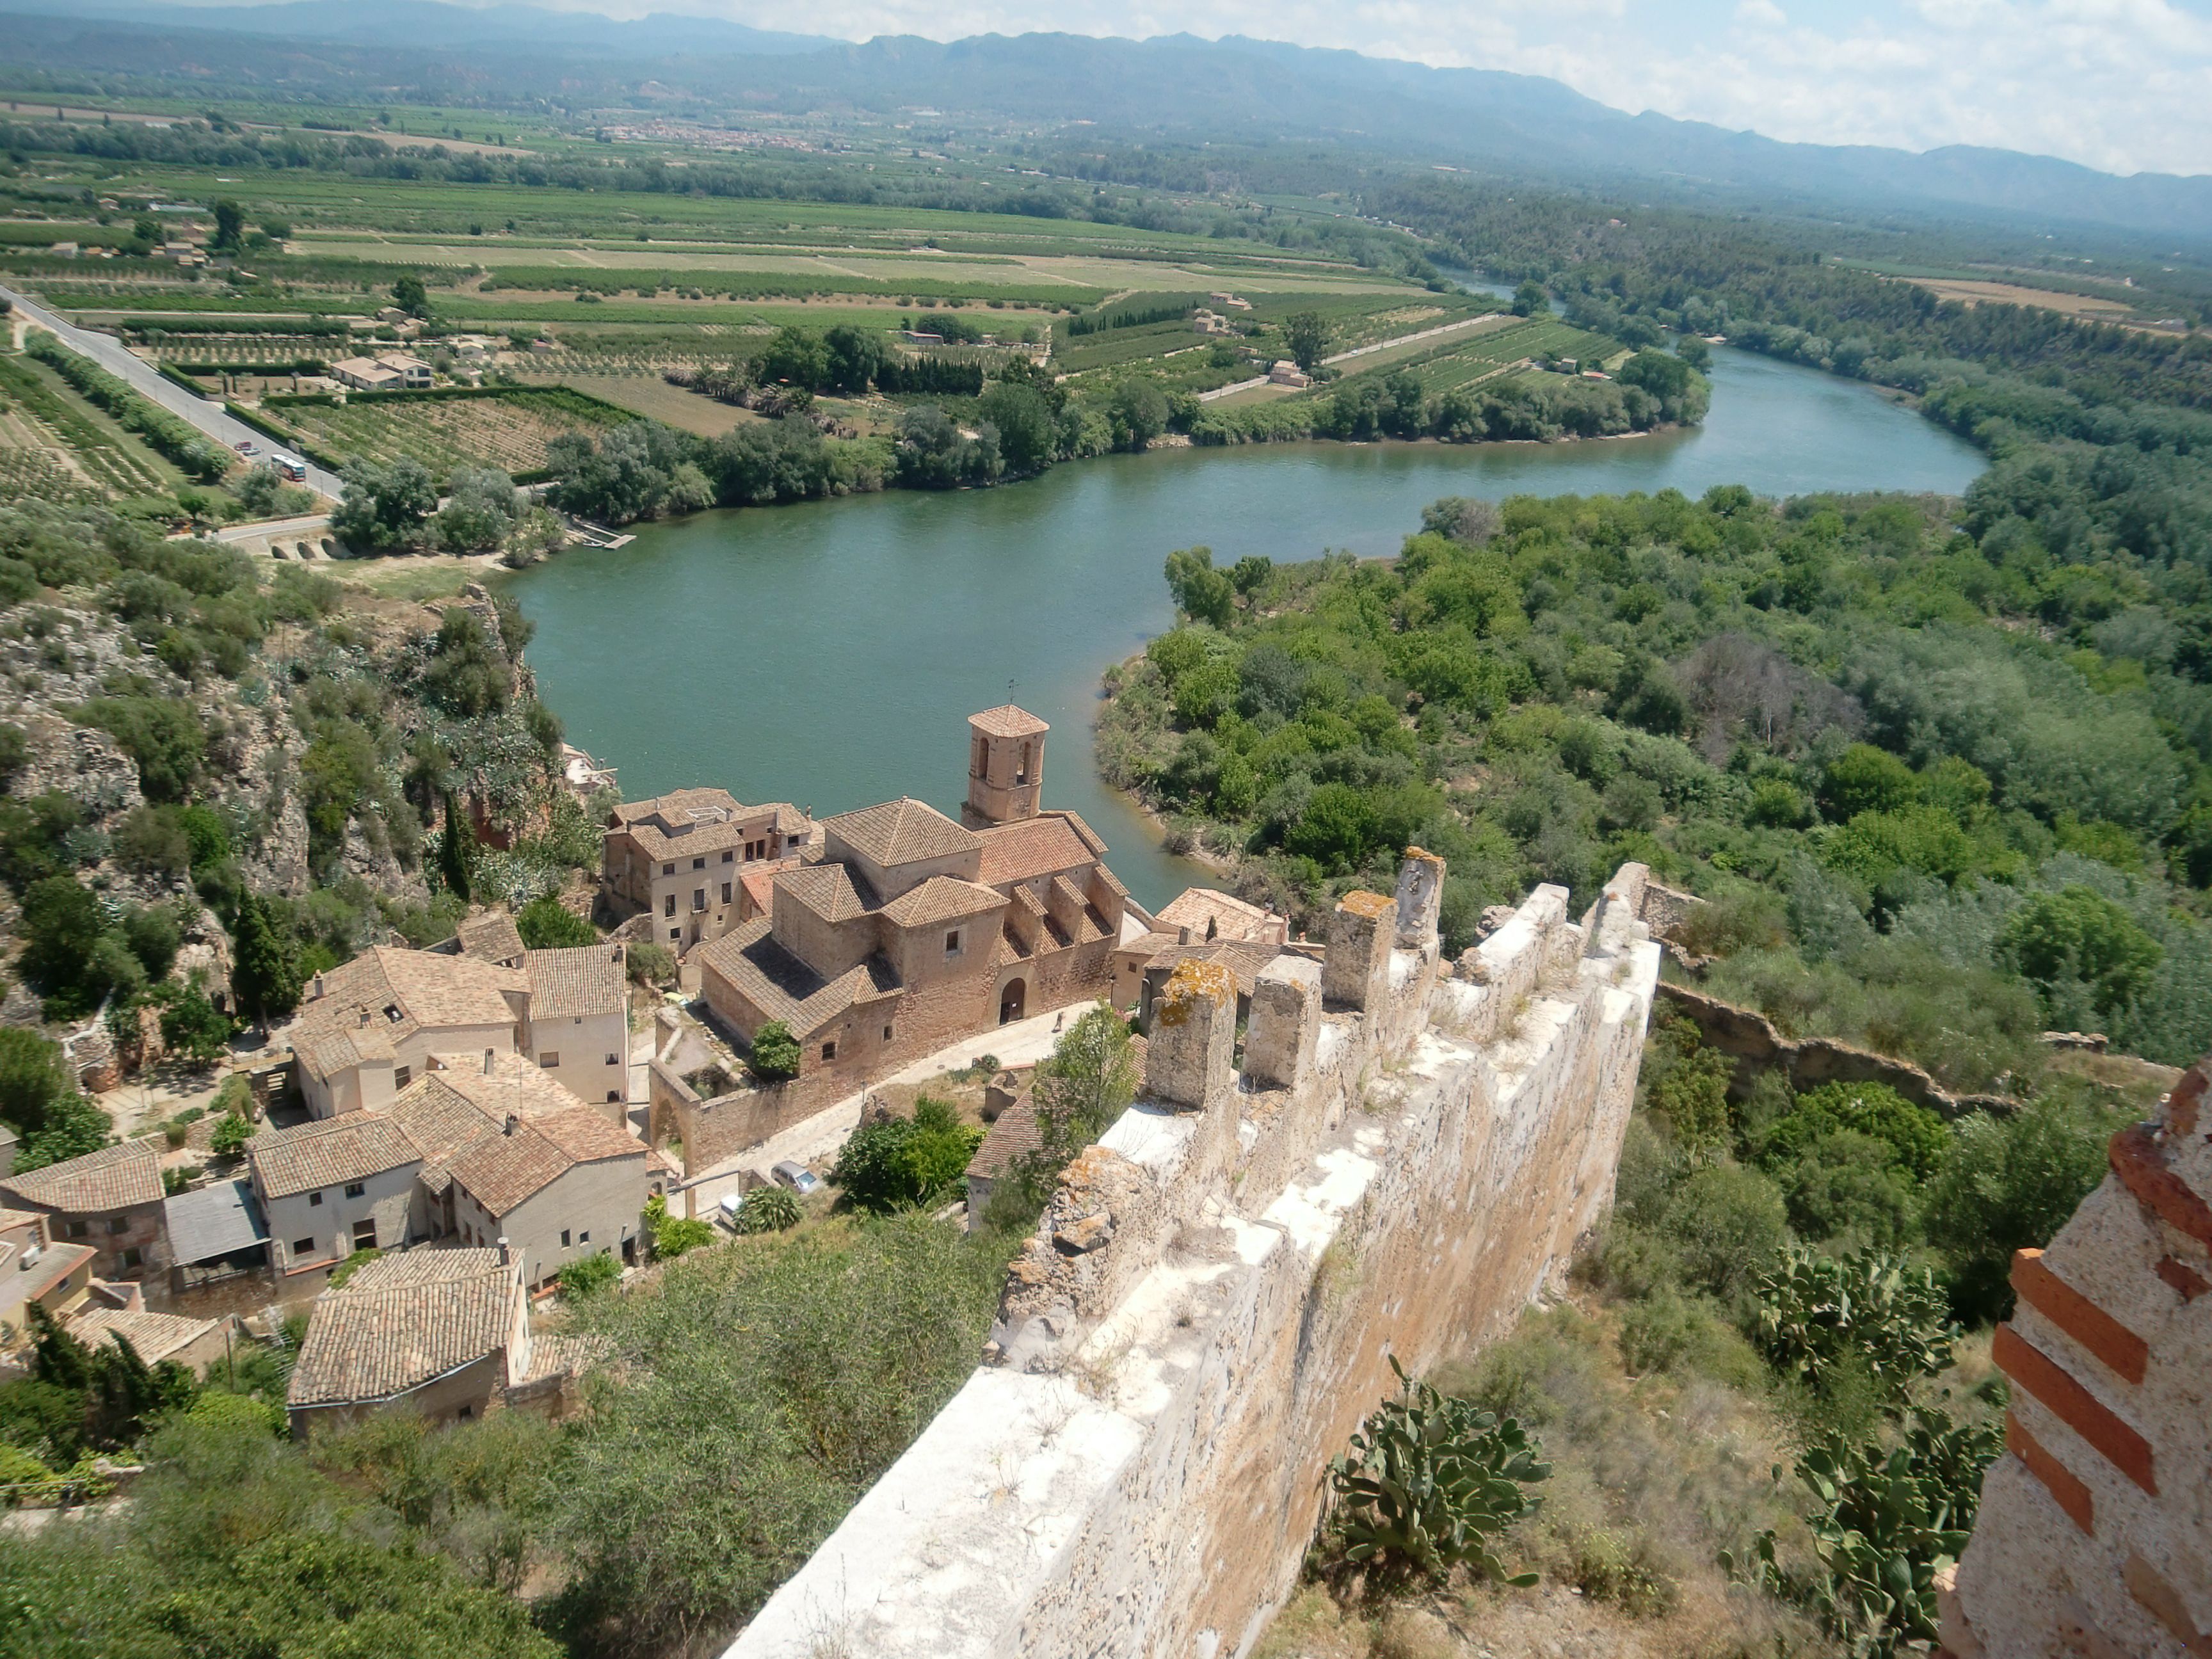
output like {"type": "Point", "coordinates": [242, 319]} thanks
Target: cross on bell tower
{"type": "Point", "coordinates": [1006, 766]}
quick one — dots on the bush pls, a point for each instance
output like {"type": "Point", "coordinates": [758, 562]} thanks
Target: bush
{"type": "Point", "coordinates": [230, 1135]}
{"type": "Point", "coordinates": [673, 1235]}
{"type": "Point", "coordinates": [352, 1265]}
{"type": "Point", "coordinates": [1911, 1136]}
{"type": "Point", "coordinates": [1726, 1223]}
{"type": "Point", "coordinates": [898, 1164]}
{"type": "Point", "coordinates": [546, 924]}
{"type": "Point", "coordinates": [775, 1053]}
{"type": "Point", "coordinates": [588, 1275]}
{"type": "Point", "coordinates": [1429, 1485]}
{"type": "Point", "coordinates": [1685, 1085]}
{"type": "Point", "coordinates": [1817, 1314]}
{"type": "Point", "coordinates": [652, 964]}
{"type": "Point", "coordinates": [770, 1209]}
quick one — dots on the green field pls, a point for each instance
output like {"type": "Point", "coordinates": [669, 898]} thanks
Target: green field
{"type": "Point", "coordinates": [117, 462]}
{"type": "Point", "coordinates": [508, 430]}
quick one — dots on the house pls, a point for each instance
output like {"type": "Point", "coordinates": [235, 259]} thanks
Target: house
{"type": "Point", "coordinates": [1244, 959]}
{"type": "Point", "coordinates": [679, 856]}
{"type": "Point", "coordinates": [1223, 297]}
{"type": "Point", "coordinates": [36, 1267]}
{"type": "Point", "coordinates": [109, 1199]}
{"type": "Point", "coordinates": [1205, 322]}
{"type": "Point", "coordinates": [555, 1187]}
{"type": "Point", "coordinates": [1013, 1136]}
{"type": "Point", "coordinates": [366, 375]}
{"type": "Point", "coordinates": [1199, 914]}
{"type": "Point", "coordinates": [335, 1186]}
{"type": "Point", "coordinates": [414, 374]}
{"type": "Point", "coordinates": [1286, 373]}
{"type": "Point", "coordinates": [906, 931]}
{"type": "Point", "coordinates": [195, 1344]}
{"type": "Point", "coordinates": [445, 1333]}
{"type": "Point", "coordinates": [393, 315]}
{"type": "Point", "coordinates": [216, 1232]}
{"type": "Point", "coordinates": [372, 1026]}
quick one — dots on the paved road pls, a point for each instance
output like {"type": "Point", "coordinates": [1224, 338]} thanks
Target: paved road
{"type": "Point", "coordinates": [107, 351]}
{"type": "Point", "coordinates": [274, 528]}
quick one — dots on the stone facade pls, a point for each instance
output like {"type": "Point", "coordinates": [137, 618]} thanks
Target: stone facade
{"type": "Point", "coordinates": [2095, 1536]}
{"type": "Point", "coordinates": [1211, 1301]}
{"type": "Point", "coordinates": [681, 858]}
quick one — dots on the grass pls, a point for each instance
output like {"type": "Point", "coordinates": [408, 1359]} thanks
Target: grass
{"type": "Point", "coordinates": [113, 458]}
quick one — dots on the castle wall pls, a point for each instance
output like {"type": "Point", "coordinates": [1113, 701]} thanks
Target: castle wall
{"type": "Point", "coordinates": [1211, 1302]}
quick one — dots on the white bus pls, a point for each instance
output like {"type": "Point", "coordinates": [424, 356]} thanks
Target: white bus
{"type": "Point", "coordinates": [290, 464]}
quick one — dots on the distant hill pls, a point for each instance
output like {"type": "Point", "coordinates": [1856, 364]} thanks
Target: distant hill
{"type": "Point", "coordinates": [1176, 86]}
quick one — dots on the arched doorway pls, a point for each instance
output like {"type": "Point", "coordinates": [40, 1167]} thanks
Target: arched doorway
{"type": "Point", "coordinates": [1011, 1002]}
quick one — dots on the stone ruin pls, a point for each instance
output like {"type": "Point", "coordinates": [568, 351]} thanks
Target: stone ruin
{"type": "Point", "coordinates": [2095, 1537]}
{"type": "Point", "coordinates": [1210, 1304]}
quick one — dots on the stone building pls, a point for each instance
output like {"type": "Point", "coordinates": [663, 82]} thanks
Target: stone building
{"type": "Point", "coordinates": [109, 1199]}
{"type": "Point", "coordinates": [36, 1267]}
{"type": "Point", "coordinates": [905, 931]}
{"type": "Point", "coordinates": [446, 1333]}
{"type": "Point", "coordinates": [373, 1026]}
{"type": "Point", "coordinates": [681, 856]}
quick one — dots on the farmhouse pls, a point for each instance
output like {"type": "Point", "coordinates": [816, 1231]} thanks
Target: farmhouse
{"type": "Point", "coordinates": [681, 856]}
{"type": "Point", "coordinates": [365, 374]}
{"type": "Point", "coordinates": [906, 931]}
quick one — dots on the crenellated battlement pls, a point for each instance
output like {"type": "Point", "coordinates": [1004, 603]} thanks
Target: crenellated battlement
{"type": "Point", "coordinates": [1210, 1303]}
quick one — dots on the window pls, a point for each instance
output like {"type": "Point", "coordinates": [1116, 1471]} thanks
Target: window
{"type": "Point", "coordinates": [117, 1223]}
{"type": "Point", "coordinates": [79, 1229]}
{"type": "Point", "coordinates": [549, 1059]}
{"type": "Point", "coordinates": [583, 1238]}
{"type": "Point", "coordinates": [725, 892]}
{"type": "Point", "coordinates": [303, 1246]}
{"type": "Point", "coordinates": [355, 1188]}
{"type": "Point", "coordinates": [401, 1076]}
{"type": "Point", "coordinates": [564, 1238]}
{"type": "Point", "coordinates": [667, 869]}
{"type": "Point", "coordinates": [952, 943]}
{"type": "Point", "coordinates": [313, 1199]}
{"type": "Point", "coordinates": [675, 933]}
{"type": "Point", "coordinates": [887, 1034]}
{"type": "Point", "coordinates": [364, 1235]}
{"type": "Point", "coordinates": [730, 857]}
{"type": "Point", "coordinates": [668, 904]}
{"type": "Point", "coordinates": [698, 898]}
{"type": "Point", "coordinates": [133, 1256]}
{"type": "Point", "coordinates": [614, 1059]}
{"type": "Point", "coordinates": [698, 864]}
{"type": "Point", "coordinates": [613, 1095]}
{"type": "Point", "coordinates": [829, 1051]}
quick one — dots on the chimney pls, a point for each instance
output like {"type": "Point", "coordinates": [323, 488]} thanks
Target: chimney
{"type": "Point", "coordinates": [505, 1252]}
{"type": "Point", "coordinates": [364, 1016]}
{"type": "Point", "coordinates": [511, 1119]}
{"type": "Point", "coordinates": [487, 1062]}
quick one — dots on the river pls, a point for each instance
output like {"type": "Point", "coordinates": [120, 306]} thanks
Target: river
{"type": "Point", "coordinates": [829, 653]}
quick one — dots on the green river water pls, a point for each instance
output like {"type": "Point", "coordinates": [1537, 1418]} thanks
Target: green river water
{"type": "Point", "coordinates": [829, 653]}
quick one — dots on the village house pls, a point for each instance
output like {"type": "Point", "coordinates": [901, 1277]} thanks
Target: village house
{"type": "Point", "coordinates": [906, 931]}
{"type": "Point", "coordinates": [415, 375]}
{"type": "Point", "coordinates": [445, 1333]}
{"type": "Point", "coordinates": [1286, 373]}
{"type": "Point", "coordinates": [371, 1026]}
{"type": "Point", "coordinates": [366, 375]}
{"type": "Point", "coordinates": [36, 1267]}
{"type": "Point", "coordinates": [195, 1344]}
{"type": "Point", "coordinates": [489, 937]}
{"type": "Point", "coordinates": [110, 1201]}
{"type": "Point", "coordinates": [681, 858]}
{"type": "Point", "coordinates": [480, 1147]}
{"type": "Point", "coordinates": [216, 1232]}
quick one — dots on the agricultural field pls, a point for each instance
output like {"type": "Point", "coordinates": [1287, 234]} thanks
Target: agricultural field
{"type": "Point", "coordinates": [643, 392]}
{"type": "Point", "coordinates": [52, 436]}
{"type": "Point", "coordinates": [509, 429]}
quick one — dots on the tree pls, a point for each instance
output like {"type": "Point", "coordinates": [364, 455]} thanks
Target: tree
{"type": "Point", "coordinates": [2075, 944]}
{"type": "Point", "coordinates": [796, 356]}
{"type": "Point", "coordinates": [456, 843]}
{"type": "Point", "coordinates": [1529, 299]}
{"type": "Point", "coordinates": [231, 1133]}
{"type": "Point", "coordinates": [480, 509]}
{"type": "Point", "coordinates": [194, 1028]}
{"type": "Point", "coordinates": [546, 924]}
{"type": "Point", "coordinates": [850, 359]}
{"type": "Point", "coordinates": [1086, 1083]}
{"type": "Point", "coordinates": [34, 1080]}
{"type": "Point", "coordinates": [62, 930]}
{"type": "Point", "coordinates": [906, 1162]}
{"type": "Point", "coordinates": [163, 737]}
{"type": "Point", "coordinates": [409, 296]}
{"type": "Point", "coordinates": [229, 226]}
{"type": "Point", "coordinates": [385, 506]}
{"type": "Point", "coordinates": [775, 1053]}
{"type": "Point", "coordinates": [466, 673]}
{"type": "Point", "coordinates": [1029, 436]}
{"type": "Point", "coordinates": [1306, 337]}
{"type": "Point", "coordinates": [1137, 410]}
{"type": "Point", "coordinates": [262, 976]}
{"type": "Point", "coordinates": [1201, 593]}
{"type": "Point", "coordinates": [1692, 350]}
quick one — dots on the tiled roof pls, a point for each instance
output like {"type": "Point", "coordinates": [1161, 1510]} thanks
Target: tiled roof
{"type": "Point", "coordinates": [439, 1119]}
{"type": "Point", "coordinates": [329, 1153]}
{"type": "Point", "coordinates": [942, 898]}
{"type": "Point", "coordinates": [341, 1049]}
{"type": "Point", "coordinates": [559, 1356]}
{"type": "Point", "coordinates": [1014, 1135]}
{"type": "Point", "coordinates": [501, 1170]}
{"type": "Point", "coordinates": [400, 992]}
{"type": "Point", "coordinates": [760, 886]}
{"type": "Point", "coordinates": [514, 1085]}
{"type": "Point", "coordinates": [117, 1178]}
{"type": "Point", "coordinates": [1089, 836]}
{"type": "Point", "coordinates": [587, 980]}
{"type": "Point", "coordinates": [1243, 959]}
{"type": "Point", "coordinates": [1008, 721]}
{"type": "Point", "coordinates": [491, 937]}
{"type": "Point", "coordinates": [214, 1221]}
{"type": "Point", "coordinates": [686, 822]}
{"type": "Point", "coordinates": [402, 1321]}
{"type": "Point", "coordinates": [1231, 916]}
{"type": "Point", "coordinates": [154, 1336]}
{"type": "Point", "coordinates": [1090, 925]}
{"type": "Point", "coordinates": [1029, 848]}
{"type": "Point", "coordinates": [785, 989]}
{"type": "Point", "coordinates": [829, 890]}
{"type": "Point", "coordinates": [901, 832]}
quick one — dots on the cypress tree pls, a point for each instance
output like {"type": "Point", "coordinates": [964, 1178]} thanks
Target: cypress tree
{"type": "Point", "coordinates": [262, 974]}
{"type": "Point", "coordinates": [453, 853]}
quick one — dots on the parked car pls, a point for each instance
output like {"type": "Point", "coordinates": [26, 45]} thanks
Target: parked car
{"type": "Point", "coordinates": [797, 1176]}
{"type": "Point", "coordinates": [246, 447]}
{"type": "Point", "coordinates": [731, 1203]}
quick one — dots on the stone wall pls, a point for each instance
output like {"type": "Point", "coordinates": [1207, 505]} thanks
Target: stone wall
{"type": "Point", "coordinates": [2095, 1531]}
{"type": "Point", "coordinates": [1211, 1302]}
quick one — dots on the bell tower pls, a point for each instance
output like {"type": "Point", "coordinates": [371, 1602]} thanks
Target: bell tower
{"type": "Point", "coordinates": [1006, 766]}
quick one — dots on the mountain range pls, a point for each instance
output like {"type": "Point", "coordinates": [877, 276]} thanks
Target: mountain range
{"type": "Point", "coordinates": [1176, 88]}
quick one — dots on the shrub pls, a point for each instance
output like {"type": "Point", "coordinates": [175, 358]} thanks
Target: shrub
{"type": "Point", "coordinates": [1912, 1135]}
{"type": "Point", "coordinates": [651, 965]}
{"type": "Point", "coordinates": [1817, 1313]}
{"type": "Point", "coordinates": [1685, 1085]}
{"type": "Point", "coordinates": [546, 924]}
{"type": "Point", "coordinates": [673, 1235]}
{"type": "Point", "coordinates": [768, 1209]}
{"type": "Point", "coordinates": [588, 1275]}
{"type": "Point", "coordinates": [1429, 1482]}
{"type": "Point", "coordinates": [1726, 1223]}
{"type": "Point", "coordinates": [774, 1054]}
{"type": "Point", "coordinates": [353, 1264]}
{"type": "Point", "coordinates": [230, 1135]}
{"type": "Point", "coordinates": [898, 1163]}
{"type": "Point", "coordinates": [1848, 1185]}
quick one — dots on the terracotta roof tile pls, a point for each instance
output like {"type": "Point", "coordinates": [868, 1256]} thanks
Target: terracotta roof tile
{"type": "Point", "coordinates": [1022, 851]}
{"type": "Point", "coordinates": [586, 980]}
{"type": "Point", "coordinates": [1008, 721]}
{"type": "Point", "coordinates": [117, 1178]}
{"type": "Point", "coordinates": [154, 1336]}
{"type": "Point", "coordinates": [941, 898]}
{"type": "Point", "coordinates": [329, 1153]}
{"type": "Point", "coordinates": [402, 1321]}
{"type": "Point", "coordinates": [1232, 918]}
{"type": "Point", "coordinates": [491, 937]}
{"type": "Point", "coordinates": [829, 890]}
{"type": "Point", "coordinates": [400, 993]}
{"type": "Point", "coordinates": [901, 832]}
{"type": "Point", "coordinates": [1014, 1135]}
{"type": "Point", "coordinates": [785, 989]}
{"type": "Point", "coordinates": [687, 822]}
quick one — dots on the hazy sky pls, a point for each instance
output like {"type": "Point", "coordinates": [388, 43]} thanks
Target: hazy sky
{"type": "Point", "coordinates": [2124, 85]}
